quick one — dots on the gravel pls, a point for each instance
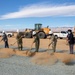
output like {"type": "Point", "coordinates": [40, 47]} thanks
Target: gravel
{"type": "Point", "coordinates": [18, 65]}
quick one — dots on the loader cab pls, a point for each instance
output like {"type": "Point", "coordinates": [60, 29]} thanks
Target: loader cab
{"type": "Point", "coordinates": [38, 26]}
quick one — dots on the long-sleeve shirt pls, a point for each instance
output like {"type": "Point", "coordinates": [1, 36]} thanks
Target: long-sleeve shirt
{"type": "Point", "coordinates": [70, 38]}
{"type": "Point", "coordinates": [4, 38]}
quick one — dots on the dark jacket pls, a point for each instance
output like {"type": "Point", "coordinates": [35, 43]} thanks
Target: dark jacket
{"type": "Point", "coordinates": [4, 37]}
{"type": "Point", "coordinates": [70, 38]}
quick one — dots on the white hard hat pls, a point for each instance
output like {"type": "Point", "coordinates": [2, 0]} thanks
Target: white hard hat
{"type": "Point", "coordinates": [34, 33]}
{"type": "Point", "coordinates": [50, 32]}
{"type": "Point", "coordinates": [3, 31]}
{"type": "Point", "coordinates": [17, 30]}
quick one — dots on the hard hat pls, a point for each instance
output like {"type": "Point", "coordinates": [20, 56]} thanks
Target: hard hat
{"type": "Point", "coordinates": [17, 30]}
{"type": "Point", "coordinates": [34, 33]}
{"type": "Point", "coordinates": [3, 31]}
{"type": "Point", "coordinates": [50, 32]}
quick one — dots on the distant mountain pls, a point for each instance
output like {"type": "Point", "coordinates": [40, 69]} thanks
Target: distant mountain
{"type": "Point", "coordinates": [58, 29]}
{"type": "Point", "coordinates": [54, 29]}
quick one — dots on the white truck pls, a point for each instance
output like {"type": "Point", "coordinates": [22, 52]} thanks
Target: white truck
{"type": "Point", "coordinates": [7, 33]}
{"type": "Point", "coordinates": [61, 35]}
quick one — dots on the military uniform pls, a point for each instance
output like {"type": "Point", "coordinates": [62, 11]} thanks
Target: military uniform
{"type": "Point", "coordinates": [37, 43]}
{"type": "Point", "coordinates": [53, 42]}
{"type": "Point", "coordinates": [19, 41]}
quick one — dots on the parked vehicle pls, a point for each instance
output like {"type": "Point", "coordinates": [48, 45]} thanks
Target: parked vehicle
{"type": "Point", "coordinates": [7, 33]}
{"type": "Point", "coordinates": [61, 35]}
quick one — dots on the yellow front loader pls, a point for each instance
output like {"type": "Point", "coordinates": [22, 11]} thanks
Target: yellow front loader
{"type": "Point", "coordinates": [41, 32]}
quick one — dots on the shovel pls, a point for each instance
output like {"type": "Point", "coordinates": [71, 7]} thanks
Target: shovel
{"type": "Point", "coordinates": [30, 48]}
{"type": "Point", "coordinates": [13, 43]}
{"type": "Point", "coordinates": [16, 41]}
{"type": "Point", "coordinates": [49, 46]}
{"type": "Point", "coordinates": [51, 53]}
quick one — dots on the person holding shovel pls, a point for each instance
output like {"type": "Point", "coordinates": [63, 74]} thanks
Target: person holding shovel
{"type": "Point", "coordinates": [19, 40]}
{"type": "Point", "coordinates": [5, 39]}
{"type": "Point", "coordinates": [36, 41]}
{"type": "Point", "coordinates": [53, 42]}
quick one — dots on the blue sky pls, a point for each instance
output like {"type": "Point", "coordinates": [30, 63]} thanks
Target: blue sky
{"type": "Point", "coordinates": [21, 14]}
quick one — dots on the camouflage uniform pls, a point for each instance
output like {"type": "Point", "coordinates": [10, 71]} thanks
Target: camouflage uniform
{"type": "Point", "coordinates": [37, 43]}
{"type": "Point", "coordinates": [19, 41]}
{"type": "Point", "coordinates": [53, 42]}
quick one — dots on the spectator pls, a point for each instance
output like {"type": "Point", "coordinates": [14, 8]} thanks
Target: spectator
{"type": "Point", "coordinates": [70, 39]}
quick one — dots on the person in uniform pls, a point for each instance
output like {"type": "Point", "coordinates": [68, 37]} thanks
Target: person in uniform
{"type": "Point", "coordinates": [19, 40]}
{"type": "Point", "coordinates": [37, 42]}
{"type": "Point", "coordinates": [5, 39]}
{"type": "Point", "coordinates": [53, 42]}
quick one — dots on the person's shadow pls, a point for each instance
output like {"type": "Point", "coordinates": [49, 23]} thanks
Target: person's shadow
{"type": "Point", "coordinates": [62, 51]}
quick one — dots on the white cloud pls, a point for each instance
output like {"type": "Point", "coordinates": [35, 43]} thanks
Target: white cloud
{"type": "Point", "coordinates": [41, 11]}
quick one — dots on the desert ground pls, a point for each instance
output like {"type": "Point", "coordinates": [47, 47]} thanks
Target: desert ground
{"type": "Point", "coordinates": [44, 62]}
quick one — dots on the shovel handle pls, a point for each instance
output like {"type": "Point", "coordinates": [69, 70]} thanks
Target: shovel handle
{"type": "Point", "coordinates": [16, 41]}
{"type": "Point", "coordinates": [13, 43]}
{"type": "Point", "coordinates": [30, 48]}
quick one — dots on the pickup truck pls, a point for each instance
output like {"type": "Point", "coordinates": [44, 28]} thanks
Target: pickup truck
{"type": "Point", "coordinates": [61, 35]}
{"type": "Point", "coordinates": [8, 34]}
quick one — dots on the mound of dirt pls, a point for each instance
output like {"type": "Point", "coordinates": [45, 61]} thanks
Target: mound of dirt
{"type": "Point", "coordinates": [44, 59]}
{"type": "Point", "coordinates": [65, 58]}
{"type": "Point", "coordinates": [6, 52]}
{"type": "Point", "coordinates": [23, 53]}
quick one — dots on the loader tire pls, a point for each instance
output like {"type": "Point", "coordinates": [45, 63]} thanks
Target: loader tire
{"type": "Point", "coordinates": [42, 35]}
{"type": "Point", "coordinates": [9, 35]}
{"type": "Point", "coordinates": [28, 35]}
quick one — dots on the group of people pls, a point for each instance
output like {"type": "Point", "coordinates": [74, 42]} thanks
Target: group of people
{"type": "Point", "coordinates": [53, 38]}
